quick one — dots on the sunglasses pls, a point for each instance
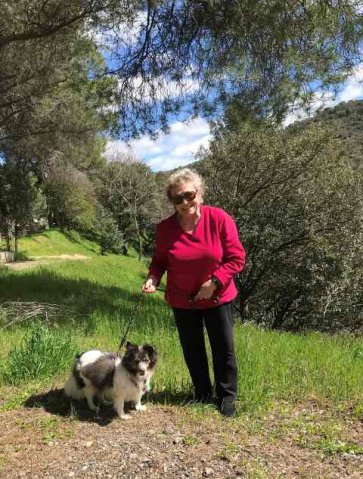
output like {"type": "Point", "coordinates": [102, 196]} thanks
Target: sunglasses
{"type": "Point", "coordinates": [187, 195]}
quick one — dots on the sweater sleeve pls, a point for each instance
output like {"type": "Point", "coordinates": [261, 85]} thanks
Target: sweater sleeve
{"type": "Point", "coordinates": [159, 260]}
{"type": "Point", "coordinates": [233, 251]}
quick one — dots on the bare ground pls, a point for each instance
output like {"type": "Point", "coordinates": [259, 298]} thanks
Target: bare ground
{"type": "Point", "coordinates": [51, 438]}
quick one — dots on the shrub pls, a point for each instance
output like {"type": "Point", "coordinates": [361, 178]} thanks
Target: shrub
{"type": "Point", "coordinates": [42, 353]}
{"type": "Point", "coordinates": [298, 206]}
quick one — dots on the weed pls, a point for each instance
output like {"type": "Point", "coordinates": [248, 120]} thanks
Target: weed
{"type": "Point", "coordinates": [228, 451]}
{"type": "Point", "coordinates": [358, 411]}
{"type": "Point", "coordinates": [331, 446]}
{"type": "Point", "coordinates": [255, 469]}
{"type": "Point", "coordinates": [3, 462]}
{"type": "Point", "coordinates": [17, 399]}
{"type": "Point", "coordinates": [190, 440]}
{"type": "Point", "coordinates": [43, 353]}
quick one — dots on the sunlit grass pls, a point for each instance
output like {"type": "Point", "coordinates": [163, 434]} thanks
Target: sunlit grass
{"type": "Point", "coordinates": [54, 242]}
{"type": "Point", "coordinates": [104, 293]}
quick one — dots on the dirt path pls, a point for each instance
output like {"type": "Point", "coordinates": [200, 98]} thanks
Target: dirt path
{"type": "Point", "coordinates": [50, 438]}
{"type": "Point", "coordinates": [40, 260]}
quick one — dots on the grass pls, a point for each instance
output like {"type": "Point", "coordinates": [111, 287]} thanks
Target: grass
{"type": "Point", "coordinates": [54, 242]}
{"type": "Point", "coordinates": [102, 292]}
{"type": "Point", "coordinates": [41, 355]}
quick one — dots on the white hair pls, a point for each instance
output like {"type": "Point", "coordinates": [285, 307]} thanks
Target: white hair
{"type": "Point", "coordinates": [185, 175]}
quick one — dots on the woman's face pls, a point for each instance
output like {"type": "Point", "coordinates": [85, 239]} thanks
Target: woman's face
{"type": "Point", "coordinates": [186, 199]}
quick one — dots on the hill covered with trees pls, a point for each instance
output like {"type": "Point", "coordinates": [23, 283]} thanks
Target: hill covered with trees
{"type": "Point", "coordinates": [345, 124]}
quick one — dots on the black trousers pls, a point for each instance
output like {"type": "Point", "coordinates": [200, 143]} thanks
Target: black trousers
{"type": "Point", "coordinates": [218, 322]}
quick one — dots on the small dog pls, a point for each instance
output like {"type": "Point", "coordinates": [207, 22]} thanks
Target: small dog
{"type": "Point", "coordinates": [112, 379]}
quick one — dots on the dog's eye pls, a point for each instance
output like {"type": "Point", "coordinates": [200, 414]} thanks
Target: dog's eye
{"type": "Point", "coordinates": [137, 360]}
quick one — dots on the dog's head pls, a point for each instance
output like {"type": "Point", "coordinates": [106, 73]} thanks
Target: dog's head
{"type": "Point", "coordinates": [139, 359]}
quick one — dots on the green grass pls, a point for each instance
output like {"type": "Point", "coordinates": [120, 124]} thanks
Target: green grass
{"type": "Point", "coordinates": [54, 242]}
{"type": "Point", "coordinates": [41, 354]}
{"type": "Point", "coordinates": [102, 291]}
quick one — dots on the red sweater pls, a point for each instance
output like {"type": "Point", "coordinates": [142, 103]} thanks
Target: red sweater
{"type": "Point", "coordinates": [190, 259]}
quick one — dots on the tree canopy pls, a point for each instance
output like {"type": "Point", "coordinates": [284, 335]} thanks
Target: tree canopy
{"type": "Point", "coordinates": [262, 54]}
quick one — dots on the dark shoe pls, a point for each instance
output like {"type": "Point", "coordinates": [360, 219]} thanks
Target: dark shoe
{"type": "Point", "coordinates": [228, 407]}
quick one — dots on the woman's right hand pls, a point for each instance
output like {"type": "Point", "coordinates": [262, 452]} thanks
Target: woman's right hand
{"type": "Point", "coordinates": [150, 285]}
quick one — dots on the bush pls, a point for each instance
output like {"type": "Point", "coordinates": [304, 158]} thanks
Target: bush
{"type": "Point", "coordinates": [298, 205]}
{"type": "Point", "coordinates": [42, 353]}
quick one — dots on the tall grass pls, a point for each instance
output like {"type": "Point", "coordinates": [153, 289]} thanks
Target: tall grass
{"type": "Point", "coordinates": [42, 354]}
{"type": "Point", "coordinates": [272, 366]}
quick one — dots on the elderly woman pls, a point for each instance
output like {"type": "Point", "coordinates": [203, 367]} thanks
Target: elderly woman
{"type": "Point", "coordinates": [199, 248]}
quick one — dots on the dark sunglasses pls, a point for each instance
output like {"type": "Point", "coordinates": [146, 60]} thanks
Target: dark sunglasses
{"type": "Point", "coordinates": [187, 195]}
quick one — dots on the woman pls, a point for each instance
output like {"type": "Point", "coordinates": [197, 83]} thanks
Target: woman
{"type": "Point", "coordinates": [199, 248]}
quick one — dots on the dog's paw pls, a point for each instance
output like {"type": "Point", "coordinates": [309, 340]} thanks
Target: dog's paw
{"type": "Point", "coordinates": [95, 409]}
{"type": "Point", "coordinates": [140, 407]}
{"type": "Point", "coordinates": [125, 416]}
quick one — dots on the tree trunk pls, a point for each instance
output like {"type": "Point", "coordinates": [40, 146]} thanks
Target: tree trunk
{"type": "Point", "coordinates": [9, 235]}
{"type": "Point", "coordinates": [139, 237]}
{"type": "Point", "coordinates": [16, 238]}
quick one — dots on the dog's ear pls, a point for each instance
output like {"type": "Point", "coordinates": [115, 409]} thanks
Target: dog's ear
{"type": "Point", "coordinates": [149, 349]}
{"type": "Point", "coordinates": [129, 345]}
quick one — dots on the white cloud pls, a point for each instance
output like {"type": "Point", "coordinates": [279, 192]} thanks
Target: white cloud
{"type": "Point", "coordinates": [168, 151]}
{"type": "Point", "coordinates": [352, 89]}
{"type": "Point", "coordinates": [121, 34]}
{"type": "Point", "coordinates": [298, 112]}
{"type": "Point", "coordinates": [159, 88]}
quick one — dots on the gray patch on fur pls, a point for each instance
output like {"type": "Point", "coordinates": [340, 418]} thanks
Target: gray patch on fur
{"type": "Point", "coordinates": [101, 371]}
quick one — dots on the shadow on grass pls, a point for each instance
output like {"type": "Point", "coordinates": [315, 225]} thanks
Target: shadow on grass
{"type": "Point", "coordinates": [79, 299]}
{"type": "Point", "coordinates": [57, 403]}
{"type": "Point", "coordinates": [73, 239]}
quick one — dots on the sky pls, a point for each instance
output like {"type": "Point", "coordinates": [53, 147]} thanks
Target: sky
{"type": "Point", "coordinates": [178, 147]}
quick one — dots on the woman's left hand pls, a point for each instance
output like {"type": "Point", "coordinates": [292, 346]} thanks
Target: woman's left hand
{"type": "Point", "coordinates": [206, 290]}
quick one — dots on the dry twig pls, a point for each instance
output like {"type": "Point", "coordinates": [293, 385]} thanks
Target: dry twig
{"type": "Point", "coordinates": [14, 312]}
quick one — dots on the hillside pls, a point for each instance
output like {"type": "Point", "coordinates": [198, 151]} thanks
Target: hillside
{"type": "Point", "coordinates": [345, 121]}
{"type": "Point", "coordinates": [54, 242]}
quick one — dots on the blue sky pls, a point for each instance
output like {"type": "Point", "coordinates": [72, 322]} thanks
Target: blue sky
{"type": "Point", "coordinates": [178, 147]}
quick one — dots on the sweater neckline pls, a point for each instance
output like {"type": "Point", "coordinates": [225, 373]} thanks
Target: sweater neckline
{"type": "Point", "coordinates": [195, 227]}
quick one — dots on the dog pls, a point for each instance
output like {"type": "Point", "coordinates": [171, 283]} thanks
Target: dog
{"type": "Point", "coordinates": [113, 379]}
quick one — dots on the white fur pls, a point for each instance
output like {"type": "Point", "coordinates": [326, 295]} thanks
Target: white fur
{"type": "Point", "coordinates": [90, 357]}
{"type": "Point", "coordinates": [71, 387]}
{"type": "Point", "coordinates": [126, 388]}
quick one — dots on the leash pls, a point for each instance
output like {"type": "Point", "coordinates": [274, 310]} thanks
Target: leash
{"type": "Point", "coordinates": [132, 316]}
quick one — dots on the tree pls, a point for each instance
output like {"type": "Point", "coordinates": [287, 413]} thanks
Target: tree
{"type": "Point", "coordinates": [298, 206]}
{"type": "Point", "coordinates": [66, 117]}
{"type": "Point", "coordinates": [261, 54]}
{"type": "Point", "coordinates": [70, 198]}
{"type": "Point", "coordinates": [21, 202]}
{"type": "Point", "coordinates": [106, 232]}
{"type": "Point", "coordinates": [130, 192]}
{"type": "Point", "coordinates": [41, 41]}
